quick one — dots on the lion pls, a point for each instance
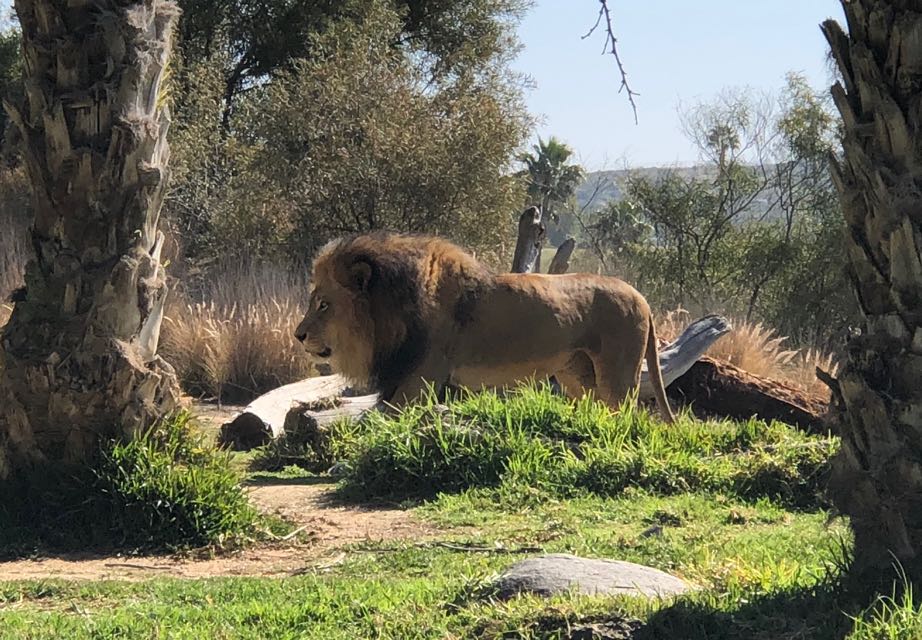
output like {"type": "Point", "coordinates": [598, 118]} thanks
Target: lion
{"type": "Point", "coordinates": [405, 312]}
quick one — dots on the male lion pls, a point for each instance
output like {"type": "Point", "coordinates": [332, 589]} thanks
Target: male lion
{"type": "Point", "coordinates": [400, 311]}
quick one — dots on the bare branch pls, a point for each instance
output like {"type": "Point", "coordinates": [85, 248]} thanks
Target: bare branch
{"type": "Point", "coordinates": [611, 46]}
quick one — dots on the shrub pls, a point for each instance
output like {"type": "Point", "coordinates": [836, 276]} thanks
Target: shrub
{"type": "Point", "coordinates": [168, 488]}
{"type": "Point", "coordinates": [163, 489]}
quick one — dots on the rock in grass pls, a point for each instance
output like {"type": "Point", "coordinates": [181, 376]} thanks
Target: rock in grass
{"type": "Point", "coordinates": [560, 572]}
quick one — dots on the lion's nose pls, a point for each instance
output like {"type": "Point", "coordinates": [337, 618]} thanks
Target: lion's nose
{"type": "Point", "coordinates": [301, 336]}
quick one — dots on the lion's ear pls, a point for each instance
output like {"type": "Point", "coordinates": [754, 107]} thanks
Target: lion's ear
{"type": "Point", "coordinates": [360, 276]}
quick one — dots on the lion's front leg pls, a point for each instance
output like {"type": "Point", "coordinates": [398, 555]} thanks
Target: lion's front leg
{"type": "Point", "coordinates": [431, 375]}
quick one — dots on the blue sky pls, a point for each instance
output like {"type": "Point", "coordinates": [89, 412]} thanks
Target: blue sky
{"type": "Point", "coordinates": [675, 52]}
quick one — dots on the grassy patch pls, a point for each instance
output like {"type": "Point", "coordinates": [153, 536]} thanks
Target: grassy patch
{"type": "Point", "coordinates": [167, 488]}
{"type": "Point", "coordinates": [316, 451]}
{"type": "Point", "coordinates": [730, 507]}
{"type": "Point", "coordinates": [765, 576]}
{"type": "Point", "coordinates": [535, 439]}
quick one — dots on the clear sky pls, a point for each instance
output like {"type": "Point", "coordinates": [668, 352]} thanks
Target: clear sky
{"type": "Point", "coordinates": [675, 52]}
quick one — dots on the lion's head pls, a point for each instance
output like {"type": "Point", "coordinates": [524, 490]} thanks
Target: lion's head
{"type": "Point", "coordinates": [363, 313]}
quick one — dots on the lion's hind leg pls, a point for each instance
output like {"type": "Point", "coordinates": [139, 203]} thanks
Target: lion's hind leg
{"type": "Point", "coordinates": [577, 377]}
{"type": "Point", "coordinates": [617, 371]}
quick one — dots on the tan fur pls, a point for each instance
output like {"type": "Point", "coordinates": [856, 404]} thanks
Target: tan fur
{"type": "Point", "coordinates": [403, 311]}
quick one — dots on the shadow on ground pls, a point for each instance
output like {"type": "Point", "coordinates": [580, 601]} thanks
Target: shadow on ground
{"type": "Point", "coordinates": [821, 613]}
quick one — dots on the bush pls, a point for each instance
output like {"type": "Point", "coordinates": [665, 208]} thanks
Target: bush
{"type": "Point", "coordinates": [536, 439]}
{"type": "Point", "coordinates": [168, 488]}
{"type": "Point", "coordinates": [163, 490]}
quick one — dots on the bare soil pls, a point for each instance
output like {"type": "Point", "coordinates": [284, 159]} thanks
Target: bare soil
{"type": "Point", "coordinates": [324, 527]}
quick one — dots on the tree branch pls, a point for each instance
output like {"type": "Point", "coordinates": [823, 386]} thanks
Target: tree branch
{"type": "Point", "coordinates": [611, 46]}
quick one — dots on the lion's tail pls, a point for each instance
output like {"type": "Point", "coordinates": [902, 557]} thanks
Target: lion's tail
{"type": "Point", "coordinates": [656, 376]}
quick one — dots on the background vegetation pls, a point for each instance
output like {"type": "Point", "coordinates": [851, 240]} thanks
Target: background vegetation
{"type": "Point", "coordinates": [298, 122]}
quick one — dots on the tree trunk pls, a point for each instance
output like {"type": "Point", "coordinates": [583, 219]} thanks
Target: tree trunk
{"type": "Point", "coordinates": [877, 476]}
{"type": "Point", "coordinates": [527, 258]}
{"type": "Point", "coordinates": [78, 358]}
{"type": "Point", "coordinates": [561, 261]}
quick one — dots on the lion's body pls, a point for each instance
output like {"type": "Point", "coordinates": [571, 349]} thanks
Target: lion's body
{"type": "Point", "coordinates": [406, 311]}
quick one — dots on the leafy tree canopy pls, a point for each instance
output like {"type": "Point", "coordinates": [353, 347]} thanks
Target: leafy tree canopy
{"type": "Point", "coordinates": [258, 38]}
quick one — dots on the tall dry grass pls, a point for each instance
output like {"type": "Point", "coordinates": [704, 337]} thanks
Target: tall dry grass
{"type": "Point", "coordinates": [759, 350]}
{"type": "Point", "coordinates": [234, 338]}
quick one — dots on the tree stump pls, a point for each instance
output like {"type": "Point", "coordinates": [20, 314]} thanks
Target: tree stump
{"type": "Point", "coordinates": [527, 257]}
{"type": "Point", "coordinates": [561, 261]}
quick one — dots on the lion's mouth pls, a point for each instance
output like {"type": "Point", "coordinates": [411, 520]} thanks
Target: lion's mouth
{"type": "Point", "coordinates": [326, 352]}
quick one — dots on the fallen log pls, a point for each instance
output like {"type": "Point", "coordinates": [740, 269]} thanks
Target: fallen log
{"type": "Point", "coordinates": [264, 418]}
{"type": "Point", "coordinates": [321, 400]}
{"type": "Point", "coordinates": [714, 389]}
{"type": "Point", "coordinates": [679, 356]}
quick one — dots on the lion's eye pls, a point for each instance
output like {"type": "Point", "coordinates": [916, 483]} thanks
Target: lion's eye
{"type": "Point", "coordinates": [323, 306]}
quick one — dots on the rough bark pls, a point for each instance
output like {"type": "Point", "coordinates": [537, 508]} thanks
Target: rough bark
{"type": "Point", "coordinates": [877, 477]}
{"type": "Point", "coordinates": [78, 356]}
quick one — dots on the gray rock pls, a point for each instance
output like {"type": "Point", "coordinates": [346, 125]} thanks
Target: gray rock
{"type": "Point", "coordinates": [560, 572]}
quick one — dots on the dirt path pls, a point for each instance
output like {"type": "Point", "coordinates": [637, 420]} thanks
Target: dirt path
{"type": "Point", "coordinates": [327, 526]}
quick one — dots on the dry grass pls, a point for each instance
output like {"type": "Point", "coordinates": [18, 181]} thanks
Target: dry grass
{"type": "Point", "coordinates": [758, 350]}
{"type": "Point", "coordinates": [235, 340]}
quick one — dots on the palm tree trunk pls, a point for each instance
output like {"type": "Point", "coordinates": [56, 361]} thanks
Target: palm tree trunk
{"type": "Point", "coordinates": [877, 476]}
{"type": "Point", "coordinates": [78, 357]}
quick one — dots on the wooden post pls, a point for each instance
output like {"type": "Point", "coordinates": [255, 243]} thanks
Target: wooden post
{"type": "Point", "coordinates": [561, 261]}
{"type": "Point", "coordinates": [528, 246]}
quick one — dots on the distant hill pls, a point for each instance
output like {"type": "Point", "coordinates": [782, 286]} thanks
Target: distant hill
{"type": "Point", "coordinates": [609, 185]}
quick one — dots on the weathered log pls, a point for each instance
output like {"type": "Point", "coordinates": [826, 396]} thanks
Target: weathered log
{"type": "Point", "coordinates": [561, 261]}
{"type": "Point", "coordinates": [527, 258]}
{"type": "Point", "coordinates": [264, 418]}
{"type": "Point", "coordinates": [322, 399]}
{"type": "Point", "coordinates": [678, 357]}
{"type": "Point", "coordinates": [714, 389]}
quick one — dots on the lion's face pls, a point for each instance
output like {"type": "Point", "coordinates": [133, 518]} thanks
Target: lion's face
{"type": "Point", "coordinates": [337, 327]}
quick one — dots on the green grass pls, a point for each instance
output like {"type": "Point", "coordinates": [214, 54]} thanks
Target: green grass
{"type": "Point", "coordinates": [733, 508]}
{"type": "Point", "coordinates": [425, 590]}
{"type": "Point", "coordinates": [571, 447]}
{"type": "Point", "coordinates": [164, 489]}
{"type": "Point", "coordinates": [764, 570]}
